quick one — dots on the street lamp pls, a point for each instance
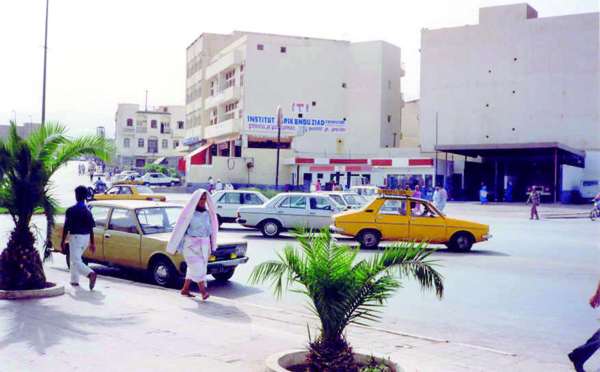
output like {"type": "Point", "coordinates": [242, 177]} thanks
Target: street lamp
{"type": "Point", "coordinates": [279, 119]}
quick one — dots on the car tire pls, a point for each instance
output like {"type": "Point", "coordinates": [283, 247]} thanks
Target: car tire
{"type": "Point", "coordinates": [369, 239]}
{"type": "Point", "coordinates": [173, 183]}
{"type": "Point", "coordinates": [594, 214]}
{"type": "Point", "coordinates": [162, 272]}
{"type": "Point", "coordinates": [224, 276]}
{"type": "Point", "coordinates": [270, 228]}
{"type": "Point", "coordinates": [461, 242]}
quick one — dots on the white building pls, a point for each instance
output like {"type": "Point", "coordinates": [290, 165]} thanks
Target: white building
{"type": "Point", "coordinates": [519, 91]}
{"type": "Point", "coordinates": [341, 105]}
{"type": "Point", "coordinates": [148, 136]}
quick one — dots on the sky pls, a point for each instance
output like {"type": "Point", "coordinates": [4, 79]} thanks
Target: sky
{"type": "Point", "coordinates": [102, 53]}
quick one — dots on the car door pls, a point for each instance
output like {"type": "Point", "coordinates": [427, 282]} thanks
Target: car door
{"type": "Point", "coordinates": [100, 214]}
{"type": "Point", "coordinates": [426, 224]}
{"type": "Point", "coordinates": [338, 199]}
{"type": "Point", "coordinates": [122, 239]}
{"type": "Point", "coordinates": [229, 204]}
{"type": "Point", "coordinates": [292, 211]}
{"type": "Point", "coordinates": [320, 211]}
{"type": "Point", "coordinates": [392, 220]}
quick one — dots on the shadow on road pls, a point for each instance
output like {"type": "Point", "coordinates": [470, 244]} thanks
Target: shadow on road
{"type": "Point", "coordinates": [219, 311]}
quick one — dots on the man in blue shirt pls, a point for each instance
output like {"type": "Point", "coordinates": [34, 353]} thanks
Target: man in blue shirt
{"type": "Point", "coordinates": [79, 224]}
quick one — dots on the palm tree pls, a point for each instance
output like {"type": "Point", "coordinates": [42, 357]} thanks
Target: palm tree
{"type": "Point", "coordinates": [343, 291]}
{"type": "Point", "coordinates": [26, 166]}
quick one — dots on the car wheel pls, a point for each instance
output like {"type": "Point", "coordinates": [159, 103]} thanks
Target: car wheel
{"type": "Point", "coordinates": [594, 214]}
{"type": "Point", "coordinates": [461, 242]}
{"type": "Point", "coordinates": [270, 228]}
{"type": "Point", "coordinates": [369, 239]}
{"type": "Point", "coordinates": [162, 272]}
{"type": "Point", "coordinates": [172, 183]}
{"type": "Point", "coordinates": [224, 276]}
{"type": "Point", "coordinates": [90, 194]}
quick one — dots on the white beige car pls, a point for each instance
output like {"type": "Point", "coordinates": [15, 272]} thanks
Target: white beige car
{"type": "Point", "coordinates": [368, 192]}
{"type": "Point", "coordinates": [287, 211]}
{"type": "Point", "coordinates": [228, 202]}
{"type": "Point", "coordinates": [350, 200]}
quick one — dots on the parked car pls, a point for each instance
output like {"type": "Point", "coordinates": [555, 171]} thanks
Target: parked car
{"type": "Point", "coordinates": [368, 192]}
{"type": "Point", "coordinates": [289, 210]}
{"type": "Point", "coordinates": [134, 234]}
{"type": "Point", "coordinates": [541, 189]}
{"type": "Point", "coordinates": [394, 216]}
{"type": "Point", "coordinates": [228, 202]}
{"type": "Point", "coordinates": [129, 173]}
{"type": "Point", "coordinates": [157, 179]}
{"type": "Point", "coordinates": [589, 189]}
{"type": "Point", "coordinates": [129, 190]}
{"type": "Point", "coordinates": [350, 200]}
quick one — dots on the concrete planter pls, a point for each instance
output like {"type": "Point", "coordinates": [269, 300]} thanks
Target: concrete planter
{"type": "Point", "coordinates": [280, 361]}
{"type": "Point", "coordinates": [51, 290]}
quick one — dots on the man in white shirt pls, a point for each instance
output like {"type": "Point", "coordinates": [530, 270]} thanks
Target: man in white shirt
{"type": "Point", "coordinates": [219, 185]}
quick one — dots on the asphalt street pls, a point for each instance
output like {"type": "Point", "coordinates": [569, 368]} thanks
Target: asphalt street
{"type": "Point", "coordinates": [526, 291]}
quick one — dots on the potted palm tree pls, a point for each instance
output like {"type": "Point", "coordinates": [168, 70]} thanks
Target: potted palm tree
{"type": "Point", "coordinates": [341, 290]}
{"type": "Point", "coordinates": [26, 166]}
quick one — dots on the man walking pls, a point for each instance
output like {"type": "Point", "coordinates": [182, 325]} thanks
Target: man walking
{"type": "Point", "coordinates": [79, 224]}
{"type": "Point", "coordinates": [443, 197]}
{"type": "Point", "coordinates": [534, 199]}
{"type": "Point", "coordinates": [584, 352]}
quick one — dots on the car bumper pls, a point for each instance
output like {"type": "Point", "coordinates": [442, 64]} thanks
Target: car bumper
{"type": "Point", "coordinates": [241, 221]}
{"type": "Point", "coordinates": [219, 266]}
{"type": "Point", "coordinates": [336, 229]}
{"type": "Point", "coordinates": [486, 237]}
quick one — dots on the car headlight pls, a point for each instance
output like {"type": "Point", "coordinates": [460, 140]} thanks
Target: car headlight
{"type": "Point", "coordinates": [240, 250]}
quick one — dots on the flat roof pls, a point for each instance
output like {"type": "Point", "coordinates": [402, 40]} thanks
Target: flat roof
{"type": "Point", "coordinates": [489, 149]}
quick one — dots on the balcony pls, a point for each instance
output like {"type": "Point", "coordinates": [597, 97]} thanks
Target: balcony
{"type": "Point", "coordinates": [233, 58]}
{"type": "Point", "coordinates": [165, 131]}
{"type": "Point", "coordinates": [141, 129]}
{"type": "Point", "coordinates": [224, 96]}
{"type": "Point", "coordinates": [128, 130]}
{"type": "Point", "coordinates": [225, 128]}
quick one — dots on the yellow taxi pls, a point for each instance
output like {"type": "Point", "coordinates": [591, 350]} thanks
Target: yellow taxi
{"type": "Point", "coordinates": [129, 190]}
{"type": "Point", "coordinates": [396, 215]}
{"type": "Point", "coordinates": [134, 234]}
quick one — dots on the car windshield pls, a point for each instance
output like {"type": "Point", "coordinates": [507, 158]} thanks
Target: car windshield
{"type": "Point", "coordinates": [144, 190]}
{"type": "Point", "coordinates": [355, 200]}
{"type": "Point", "coordinates": [158, 219]}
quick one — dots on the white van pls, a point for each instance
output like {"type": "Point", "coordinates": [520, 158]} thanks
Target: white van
{"type": "Point", "coordinates": [589, 189]}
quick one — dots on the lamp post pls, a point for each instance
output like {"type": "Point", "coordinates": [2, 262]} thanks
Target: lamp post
{"type": "Point", "coordinates": [45, 54]}
{"type": "Point", "coordinates": [279, 119]}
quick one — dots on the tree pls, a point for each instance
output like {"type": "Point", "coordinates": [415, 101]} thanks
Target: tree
{"type": "Point", "coordinates": [26, 166]}
{"type": "Point", "coordinates": [343, 291]}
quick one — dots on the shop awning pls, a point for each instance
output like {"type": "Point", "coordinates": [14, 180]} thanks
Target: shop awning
{"type": "Point", "coordinates": [159, 160]}
{"type": "Point", "coordinates": [198, 156]}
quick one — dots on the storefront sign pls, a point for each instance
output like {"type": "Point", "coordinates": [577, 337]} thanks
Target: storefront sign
{"type": "Point", "coordinates": [190, 141]}
{"type": "Point", "coordinates": [224, 145]}
{"type": "Point", "coordinates": [254, 122]}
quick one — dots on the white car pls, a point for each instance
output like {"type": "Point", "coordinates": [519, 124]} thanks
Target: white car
{"type": "Point", "coordinates": [350, 200]}
{"type": "Point", "coordinates": [288, 211]}
{"type": "Point", "coordinates": [129, 173]}
{"type": "Point", "coordinates": [157, 179]}
{"type": "Point", "coordinates": [228, 202]}
{"type": "Point", "coordinates": [367, 192]}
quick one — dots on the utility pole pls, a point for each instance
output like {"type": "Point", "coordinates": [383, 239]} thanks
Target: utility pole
{"type": "Point", "coordinates": [146, 101]}
{"type": "Point", "coordinates": [45, 57]}
{"type": "Point", "coordinates": [279, 119]}
{"type": "Point", "coordinates": [436, 151]}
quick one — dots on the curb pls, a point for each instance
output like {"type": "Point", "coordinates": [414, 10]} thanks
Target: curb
{"type": "Point", "coordinates": [51, 290]}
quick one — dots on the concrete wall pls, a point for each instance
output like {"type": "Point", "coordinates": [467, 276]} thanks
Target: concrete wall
{"type": "Point", "coordinates": [410, 124]}
{"type": "Point", "coordinates": [513, 78]}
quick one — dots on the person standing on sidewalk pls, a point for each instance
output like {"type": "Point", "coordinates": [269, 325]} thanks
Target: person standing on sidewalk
{"type": "Point", "coordinates": [195, 233]}
{"type": "Point", "coordinates": [534, 199]}
{"type": "Point", "coordinates": [483, 194]}
{"type": "Point", "coordinates": [579, 356]}
{"type": "Point", "coordinates": [79, 224]}
{"type": "Point", "coordinates": [443, 198]}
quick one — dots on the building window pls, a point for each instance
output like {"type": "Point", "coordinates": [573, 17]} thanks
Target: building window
{"type": "Point", "coordinates": [153, 124]}
{"type": "Point", "coordinates": [300, 116]}
{"type": "Point", "coordinates": [140, 142]}
{"type": "Point", "coordinates": [175, 143]}
{"type": "Point", "coordinates": [230, 110]}
{"type": "Point", "coordinates": [213, 117]}
{"type": "Point", "coordinates": [230, 79]}
{"type": "Point", "coordinates": [180, 125]}
{"type": "Point", "coordinates": [130, 122]}
{"type": "Point", "coordinates": [260, 47]}
{"type": "Point", "coordinates": [343, 85]}
{"type": "Point", "coordinates": [126, 142]}
{"type": "Point", "coordinates": [389, 118]}
{"type": "Point", "coordinates": [283, 49]}
{"type": "Point", "coordinates": [142, 123]}
{"type": "Point", "coordinates": [314, 103]}
{"type": "Point", "coordinates": [165, 144]}
{"type": "Point", "coordinates": [212, 88]}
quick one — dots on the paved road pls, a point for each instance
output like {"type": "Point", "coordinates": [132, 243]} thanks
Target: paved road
{"type": "Point", "coordinates": [525, 291]}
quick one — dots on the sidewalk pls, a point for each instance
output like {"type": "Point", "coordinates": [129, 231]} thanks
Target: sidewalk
{"type": "Point", "coordinates": [129, 326]}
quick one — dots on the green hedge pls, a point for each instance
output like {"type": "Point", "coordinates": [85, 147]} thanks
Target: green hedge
{"type": "Point", "coordinates": [156, 168]}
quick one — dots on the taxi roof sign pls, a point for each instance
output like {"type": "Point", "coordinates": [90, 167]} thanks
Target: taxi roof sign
{"type": "Point", "coordinates": [395, 192]}
{"type": "Point", "coordinates": [128, 183]}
